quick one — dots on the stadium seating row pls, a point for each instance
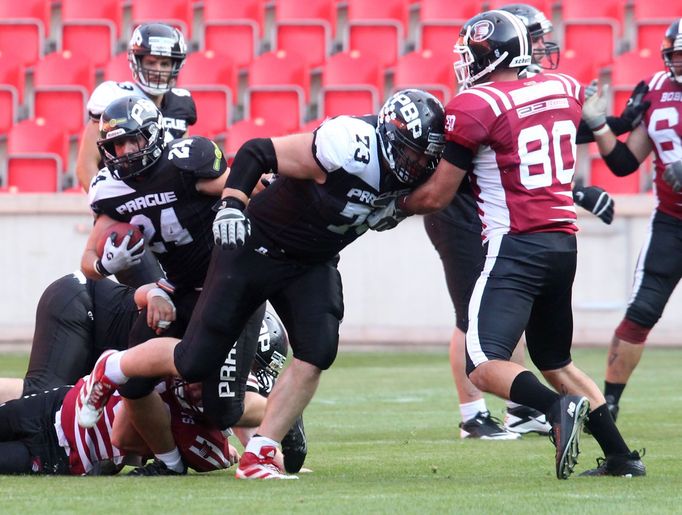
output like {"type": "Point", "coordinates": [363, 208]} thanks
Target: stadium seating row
{"type": "Point", "coordinates": [304, 79]}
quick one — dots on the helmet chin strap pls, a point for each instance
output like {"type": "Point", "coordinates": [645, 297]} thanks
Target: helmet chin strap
{"type": "Point", "coordinates": [488, 69]}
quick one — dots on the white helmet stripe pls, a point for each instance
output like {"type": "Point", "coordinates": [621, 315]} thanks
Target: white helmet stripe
{"type": "Point", "coordinates": [520, 30]}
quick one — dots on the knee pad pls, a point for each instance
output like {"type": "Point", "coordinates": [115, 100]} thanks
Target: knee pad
{"type": "Point", "coordinates": [632, 332]}
{"type": "Point", "coordinates": [138, 387]}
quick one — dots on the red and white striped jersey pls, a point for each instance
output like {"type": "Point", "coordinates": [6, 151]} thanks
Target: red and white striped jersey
{"type": "Point", "coordinates": [87, 446]}
{"type": "Point", "coordinates": [663, 121]}
{"type": "Point", "coordinates": [522, 134]}
{"type": "Point", "coordinates": [203, 447]}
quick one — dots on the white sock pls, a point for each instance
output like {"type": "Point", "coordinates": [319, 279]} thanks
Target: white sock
{"type": "Point", "coordinates": [257, 442]}
{"type": "Point", "coordinates": [172, 459]}
{"type": "Point", "coordinates": [112, 368]}
{"type": "Point", "coordinates": [512, 405]}
{"type": "Point", "coordinates": [469, 410]}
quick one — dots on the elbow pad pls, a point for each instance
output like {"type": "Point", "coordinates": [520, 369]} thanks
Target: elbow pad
{"type": "Point", "coordinates": [253, 159]}
{"type": "Point", "coordinates": [621, 160]}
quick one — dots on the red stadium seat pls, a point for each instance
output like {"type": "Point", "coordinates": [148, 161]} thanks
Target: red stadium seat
{"type": "Point", "coordinates": [352, 83]}
{"type": "Point", "coordinates": [440, 22]}
{"type": "Point", "coordinates": [581, 69]}
{"type": "Point", "coordinates": [35, 11]}
{"type": "Point", "coordinates": [12, 74]}
{"type": "Point", "coordinates": [234, 28]}
{"type": "Point", "coordinates": [592, 29]}
{"type": "Point", "coordinates": [245, 130]}
{"type": "Point", "coordinates": [211, 79]}
{"type": "Point", "coordinates": [306, 28]}
{"type": "Point", "coordinates": [36, 154]}
{"type": "Point", "coordinates": [279, 85]}
{"type": "Point", "coordinates": [178, 13]}
{"type": "Point", "coordinates": [377, 28]}
{"type": "Point", "coordinates": [118, 69]}
{"type": "Point", "coordinates": [427, 71]}
{"type": "Point", "coordinates": [91, 28]}
{"type": "Point", "coordinates": [62, 85]}
{"type": "Point", "coordinates": [9, 105]}
{"type": "Point", "coordinates": [627, 70]}
{"type": "Point", "coordinates": [23, 38]}
{"type": "Point", "coordinates": [543, 5]}
{"type": "Point", "coordinates": [651, 21]}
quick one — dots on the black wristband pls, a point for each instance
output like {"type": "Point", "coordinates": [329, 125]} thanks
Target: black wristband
{"type": "Point", "coordinates": [99, 268]}
{"type": "Point", "coordinates": [621, 160]}
{"type": "Point", "coordinates": [232, 202]}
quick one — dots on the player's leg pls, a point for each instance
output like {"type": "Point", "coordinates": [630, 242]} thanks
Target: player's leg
{"type": "Point", "coordinates": [311, 307]}
{"type": "Point", "coordinates": [657, 273]}
{"type": "Point", "coordinates": [462, 255]}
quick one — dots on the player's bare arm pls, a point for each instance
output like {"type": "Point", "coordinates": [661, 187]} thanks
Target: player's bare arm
{"type": "Point", "coordinates": [88, 155]}
{"type": "Point", "coordinates": [438, 191]}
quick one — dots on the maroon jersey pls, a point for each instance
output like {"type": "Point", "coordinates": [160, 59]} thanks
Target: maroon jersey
{"type": "Point", "coordinates": [663, 121]}
{"type": "Point", "coordinates": [203, 447]}
{"type": "Point", "coordinates": [522, 134]}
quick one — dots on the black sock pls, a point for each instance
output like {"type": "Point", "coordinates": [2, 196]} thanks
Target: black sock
{"type": "Point", "coordinates": [603, 428]}
{"type": "Point", "coordinates": [613, 391]}
{"type": "Point", "coordinates": [526, 389]}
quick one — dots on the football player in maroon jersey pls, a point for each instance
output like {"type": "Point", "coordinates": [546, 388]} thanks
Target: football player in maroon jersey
{"type": "Point", "coordinates": [659, 266]}
{"type": "Point", "coordinates": [515, 140]}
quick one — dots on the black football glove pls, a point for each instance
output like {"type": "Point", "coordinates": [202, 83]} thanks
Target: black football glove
{"type": "Point", "coordinates": [595, 200]}
{"type": "Point", "coordinates": [634, 109]}
{"type": "Point", "coordinates": [673, 175]}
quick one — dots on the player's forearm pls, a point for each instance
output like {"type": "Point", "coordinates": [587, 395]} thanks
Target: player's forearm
{"type": "Point", "coordinates": [89, 265]}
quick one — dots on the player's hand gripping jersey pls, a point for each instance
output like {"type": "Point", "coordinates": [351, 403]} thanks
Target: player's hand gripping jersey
{"type": "Point", "coordinates": [522, 134]}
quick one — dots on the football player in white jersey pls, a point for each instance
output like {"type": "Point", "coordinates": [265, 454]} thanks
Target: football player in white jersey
{"type": "Point", "coordinates": [515, 140]}
{"type": "Point", "coordinates": [156, 53]}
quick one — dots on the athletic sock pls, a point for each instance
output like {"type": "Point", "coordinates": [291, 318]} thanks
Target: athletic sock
{"type": "Point", "coordinates": [172, 460]}
{"type": "Point", "coordinates": [469, 410]}
{"type": "Point", "coordinates": [526, 389]}
{"type": "Point", "coordinates": [603, 428]}
{"type": "Point", "coordinates": [112, 368]}
{"type": "Point", "coordinates": [254, 445]}
{"type": "Point", "coordinates": [613, 391]}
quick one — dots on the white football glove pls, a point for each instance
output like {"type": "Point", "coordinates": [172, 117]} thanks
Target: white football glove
{"type": "Point", "coordinates": [117, 258]}
{"type": "Point", "coordinates": [231, 227]}
{"type": "Point", "coordinates": [594, 108]}
{"type": "Point", "coordinates": [386, 214]}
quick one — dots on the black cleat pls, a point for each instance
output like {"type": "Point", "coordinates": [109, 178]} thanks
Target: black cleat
{"type": "Point", "coordinates": [628, 465]}
{"type": "Point", "coordinates": [567, 417]}
{"type": "Point", "coordinates": [156, 468]}
{"type": "Point", "coordinates": [485, 427]}
{"type": "Point", "coordinates": [295, 447]}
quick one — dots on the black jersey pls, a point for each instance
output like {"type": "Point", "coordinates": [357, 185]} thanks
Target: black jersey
{"type": "Point", "coordinates": [177, 106]}
{"type": "Point", "coordinates": [175, 218]}
{"type": "Point", "coordinates": [462, 210]}
{"type": "Point", "coordinates": [313, 222]}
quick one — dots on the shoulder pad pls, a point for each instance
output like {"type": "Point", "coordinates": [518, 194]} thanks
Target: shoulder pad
{"type": "Point", "coordinates": [106, 93]}
{"type": "Point", "coordinates": [197, 155]}
{"type": "Point", "coordinates": [181, 92]}
{"type": "Point", "coordinates": [336, 141]}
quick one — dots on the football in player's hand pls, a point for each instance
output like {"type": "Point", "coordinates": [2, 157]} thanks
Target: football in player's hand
{"type": "Point", "coordinates": [121, 229]}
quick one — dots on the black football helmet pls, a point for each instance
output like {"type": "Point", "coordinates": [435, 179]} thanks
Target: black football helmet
{"type": "Point", "coordinates": [411, 132]}
{"type": "Point", "coordinates": [545, 53]}
{"type": "Point", "coordinates": [273, 346]}
{"type": "Point", "coordinates": [160, 40]}
{"type": "Point", "coordinates": [132, 118]}
{"type": "Point", "coordinates": [672, 43]}
{"type": "Point", "coordinates": [490, 41]}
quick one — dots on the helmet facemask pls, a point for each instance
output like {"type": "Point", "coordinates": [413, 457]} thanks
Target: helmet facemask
{"type": "Point", "coordinates": [154, 81]}
{"type": "Point", "coordinates": [672, 58]}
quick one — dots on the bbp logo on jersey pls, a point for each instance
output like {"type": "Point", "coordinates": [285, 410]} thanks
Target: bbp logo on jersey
{"type": "Point", "coordinates": [482, 30]}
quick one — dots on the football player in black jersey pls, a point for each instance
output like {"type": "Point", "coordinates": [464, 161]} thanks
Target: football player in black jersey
{"type": "Point", "coordinates": [455, 232]}
{"type": "Point", "coordinates": [283, 245]}
{"type": "Point", "coordinates": [168, 190]}
{"type": "Point", "coordinates": [76, 320]}
{"type": "Point", "coordinates": [156, 53]}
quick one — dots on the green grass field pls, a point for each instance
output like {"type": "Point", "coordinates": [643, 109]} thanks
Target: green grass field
{"type": "Point", "coordinates": [383, 439]}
